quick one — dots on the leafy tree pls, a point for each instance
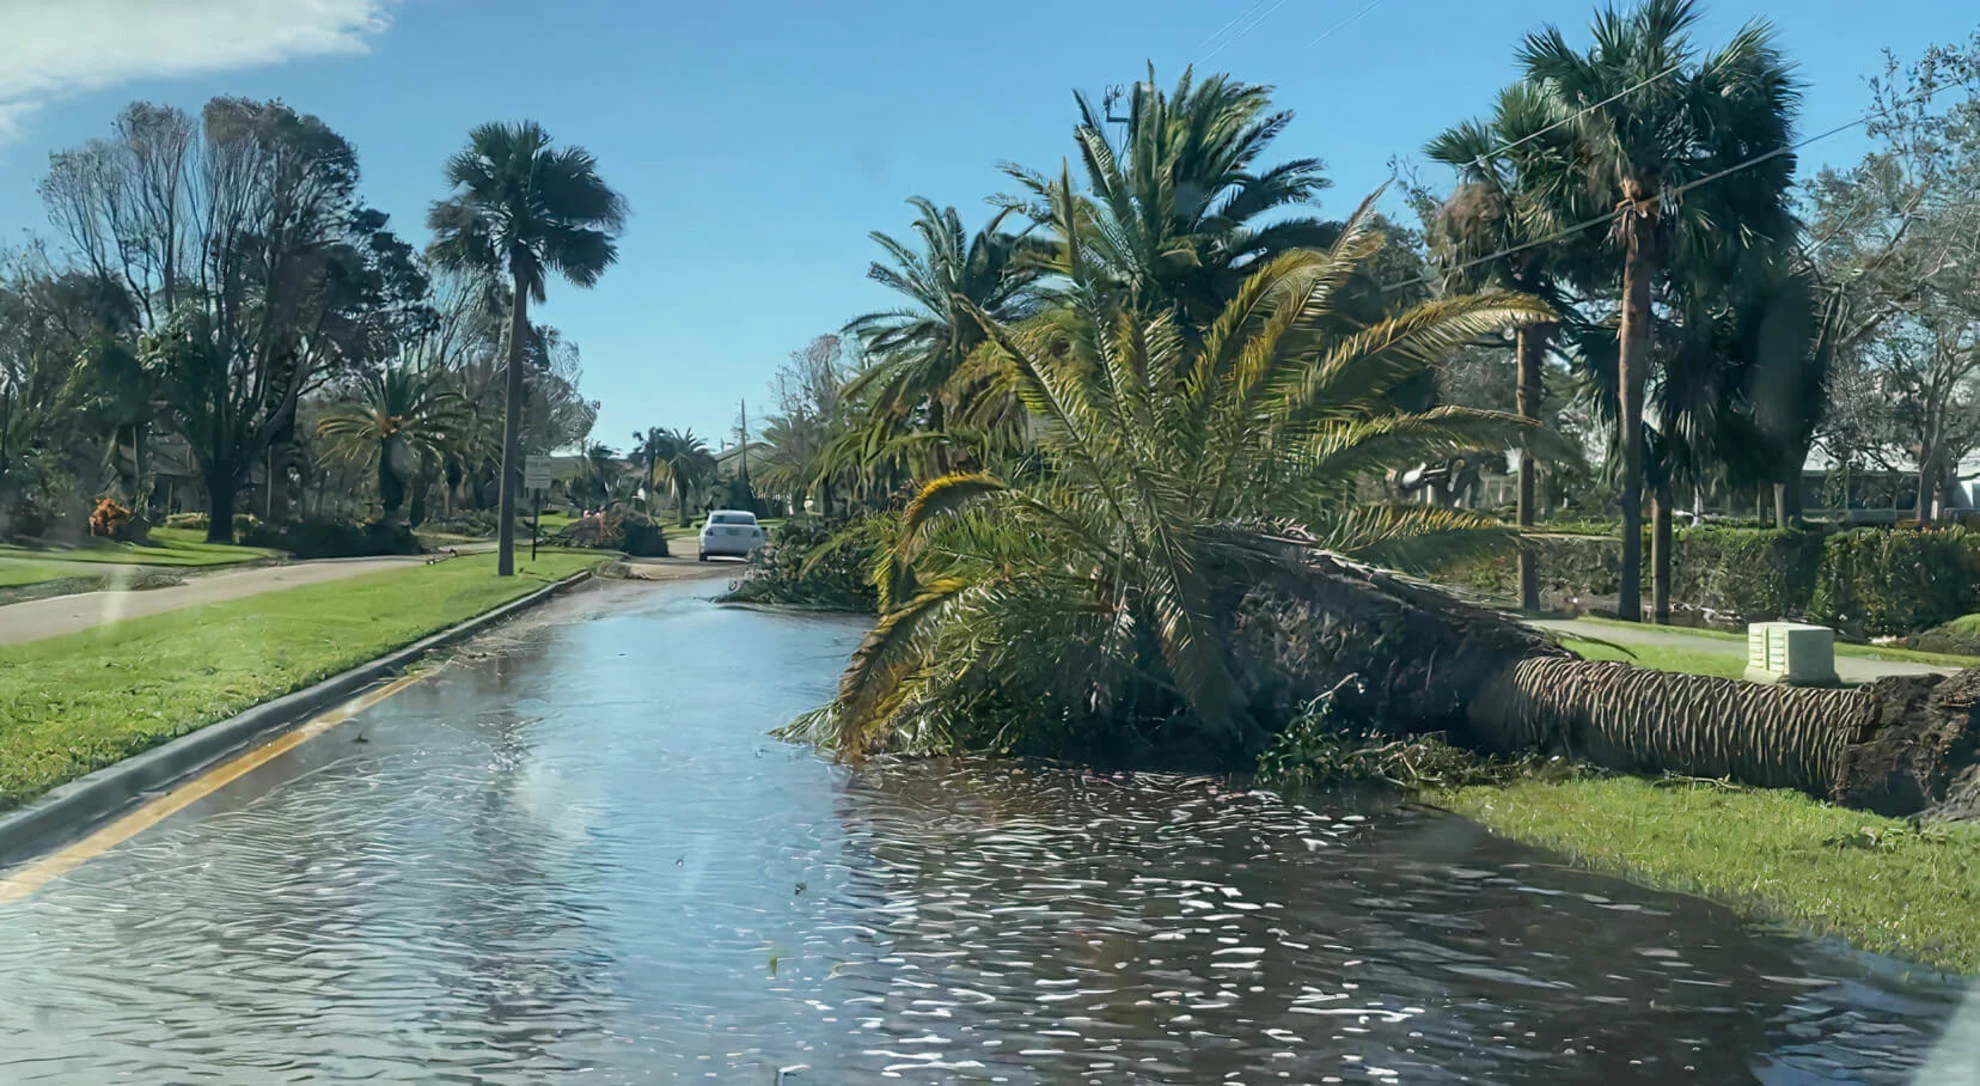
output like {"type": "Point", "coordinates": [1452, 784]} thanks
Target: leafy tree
{"type": "Point", "coordinates": [522, 210]}
{"type": "Point", "coordinates": [809, 393]}
{"type": "Point", "coordinates": [254, 270]}
{"type": "Point", "coordinates": [404, 421]}
{"type": "Point", "coordinates": [1098, 588]}
{"type": "Point", "coordinates": [1893, 243]}
{"type": "Point", "coordinates": [1655, 123]}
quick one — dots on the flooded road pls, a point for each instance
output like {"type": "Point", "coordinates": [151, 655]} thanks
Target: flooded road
{"type": "Point", "coordinates": [577, 851]}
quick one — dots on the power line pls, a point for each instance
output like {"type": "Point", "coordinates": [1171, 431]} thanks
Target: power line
{"type": "Point", "coordinates": [1225, 29]}
{"type": "Point", "coordinates": [1248, 28]}
{"type": "Point", "coordinates": [1571, 118]}
{"type": "Point", "coordinates": [1356, 17]}
{"type": "Point", "coordinates": [1669, 194]}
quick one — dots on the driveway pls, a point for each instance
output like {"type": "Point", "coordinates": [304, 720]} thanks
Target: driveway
{"type": "Point", "coordinates": [57, 615]}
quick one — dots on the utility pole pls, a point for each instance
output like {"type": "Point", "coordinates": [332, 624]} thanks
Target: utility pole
{"type": "Point", "coordinates": [742, 435]}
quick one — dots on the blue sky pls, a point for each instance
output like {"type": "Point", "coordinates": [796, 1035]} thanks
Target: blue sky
{"type": "Point", "coordinates": [758, 143]}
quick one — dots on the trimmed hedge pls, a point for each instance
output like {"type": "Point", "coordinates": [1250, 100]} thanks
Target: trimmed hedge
{"type": "Point", "coordinates": [1876, 582]}
{"type": "Point", "coordinates": [1759, 574]}
{"type": "Point", "coordinates": [1865, 582]}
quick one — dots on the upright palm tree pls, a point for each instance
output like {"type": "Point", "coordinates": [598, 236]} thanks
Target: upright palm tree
{"type": "Point", "coordinates": [1655, 124]}
{"type": "Point", "coordinates": [1174, 214]}
{"type": "Point", "coordinates": [1098, 587]}
{"type": "Point", "coordinates": [523, 209]}
{"type": "Point", "coordinates": [1494, 229]}
{"type": "Point", "coordinates": [678, 460]}
{"type": "Point", "coordinates": [406, 420]}
{"type": "Point", "coordinates": [917, 350]}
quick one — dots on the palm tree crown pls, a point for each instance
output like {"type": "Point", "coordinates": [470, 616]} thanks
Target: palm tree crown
{"type": "Point", "coordinates": [406, 419]}
{"type": "Point", "coordinates": [1169, 465]}
{"type": "Point", "coordinates": [1172, 215]}
{"type": "Point", "coordinates": [523, 209]}
{"type": "Point", "coordinates": [918, 350]}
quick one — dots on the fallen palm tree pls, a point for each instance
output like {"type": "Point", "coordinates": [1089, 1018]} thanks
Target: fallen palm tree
{"type": "Point", "coordinates": [1172, 568]}
{"type": "Point", "coordinates": [1429, 661]}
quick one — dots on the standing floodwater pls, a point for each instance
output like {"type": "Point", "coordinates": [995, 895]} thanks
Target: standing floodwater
{"type": "Point", "coordinates": [580, 852]}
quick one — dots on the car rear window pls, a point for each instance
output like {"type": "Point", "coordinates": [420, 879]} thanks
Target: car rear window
{"type": "Point", "coordinates": [732, 518]}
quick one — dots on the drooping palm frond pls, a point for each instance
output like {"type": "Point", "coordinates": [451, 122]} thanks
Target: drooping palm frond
{"type": "Point", "coordinates": [1100, 586]}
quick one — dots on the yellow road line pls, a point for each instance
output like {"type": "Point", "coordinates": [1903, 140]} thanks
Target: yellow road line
{"type": "Point", "coordinates": [27, 880]}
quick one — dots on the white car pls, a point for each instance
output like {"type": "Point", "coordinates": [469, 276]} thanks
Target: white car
{"type": "Point", "coordinates": [731, 532]}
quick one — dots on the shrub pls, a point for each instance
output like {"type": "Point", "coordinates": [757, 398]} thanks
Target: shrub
{"type": "Point", "coordinates": [107, 518]}
{"type": "Point", "coordinates": [1752, 574]}
{"type": "Point", "coordinates": [1960, 637]}
{"type": "Point", "coordinates": [809, 562]}
{"type": "Point", "coordinates": [1569, 567]}
{"type": "Point", "coordinates": [615, 530]}
{"type": "Point", "coordinates": [1877, 581]}
{"type": "Point", "coordinates": [196, 522]}
{"type": "Point", "coordinates": [473, 522]}
{"type": "Point", "coordinates": [322, 538]}
{"type": "Point", "coordinates": [1755, 574]}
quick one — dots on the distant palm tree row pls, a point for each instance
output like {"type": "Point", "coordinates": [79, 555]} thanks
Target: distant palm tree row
{"type": "Point", "coordinates": [1630, 134]}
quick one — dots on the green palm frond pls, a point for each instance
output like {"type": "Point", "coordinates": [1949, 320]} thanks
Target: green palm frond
{"type": "Point", "coordinates": [1095, 581]}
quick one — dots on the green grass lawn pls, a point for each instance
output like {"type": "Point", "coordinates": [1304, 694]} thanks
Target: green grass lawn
{"type": "Point", "coordinates": [1662, 658]}
{"type": "Point", "coordinates": [75, 703]}
{"type": "Point", "coordinates": [1773, 854]}
{"type": "Point", "coordinates": [19, 571]}
{"type": "Point", "coordinates": [175, 547]}
{"type": "Point", "coordinates": [1866, 652]}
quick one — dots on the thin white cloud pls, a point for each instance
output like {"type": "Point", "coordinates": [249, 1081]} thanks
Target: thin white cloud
{"type": "Point", "coordinates": [54, 48]}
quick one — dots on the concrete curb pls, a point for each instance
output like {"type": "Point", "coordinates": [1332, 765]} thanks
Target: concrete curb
{"type": "Point", "coordinates": [67, 811]}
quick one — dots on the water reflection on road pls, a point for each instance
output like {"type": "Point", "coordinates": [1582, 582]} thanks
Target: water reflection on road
{"type": "Point", "coordinates": [579, 852]}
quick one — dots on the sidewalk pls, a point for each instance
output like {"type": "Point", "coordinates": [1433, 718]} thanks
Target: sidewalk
{"type": "Point", "coordinates": [1850, 669]}
{"type": "Point", "coordinates": [57, 615]}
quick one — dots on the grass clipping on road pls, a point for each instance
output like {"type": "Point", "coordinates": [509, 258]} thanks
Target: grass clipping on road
{"type": "Point", "coordinates": [1882, 884]}
{"type": "Point", "coordinates": [72, 704]}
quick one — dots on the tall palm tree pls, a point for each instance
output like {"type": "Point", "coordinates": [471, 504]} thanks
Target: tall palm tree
{"type": "Point", "coordinates": [523, 209]}
{"type": "Point", "coordinates": [917, 350]}
{"type": "Point", "coordinates": [1099, 586]}
{"type": "Point", "coordinates": [1655, 123]}
{"type": "Point", "coordinates": [1494, 229]}
{"type": "Point", "coordinates": [406, 420]}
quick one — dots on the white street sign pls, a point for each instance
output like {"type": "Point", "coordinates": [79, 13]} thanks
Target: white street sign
{"type": "Point", "coordinates": [536, 473]}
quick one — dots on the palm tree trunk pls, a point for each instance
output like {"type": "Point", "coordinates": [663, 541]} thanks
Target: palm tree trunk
{"type": "Point", "coordinates": [1418, 657]}
{"type": "Point", "coordinates": [1531, 350]}
{"type": "Point", "coordinates": [1660, 556]}
{"type": "Point", "coordinates": [1634, 367]}
{"type": "Point", "coordinates": [505, 527]}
